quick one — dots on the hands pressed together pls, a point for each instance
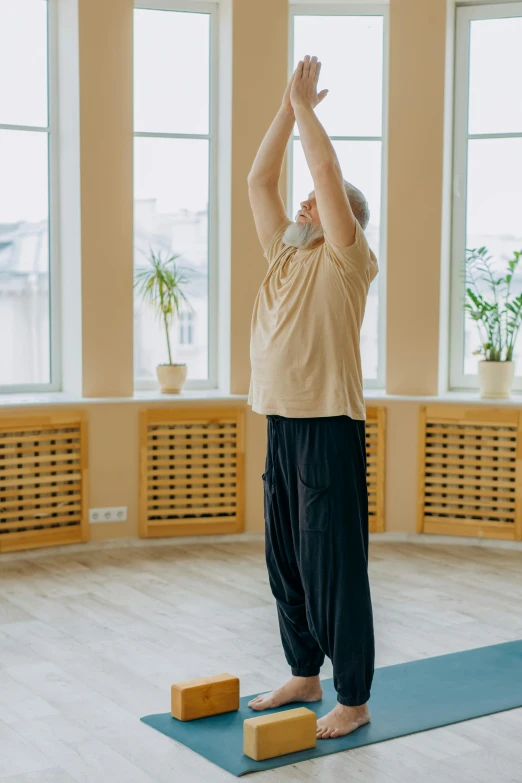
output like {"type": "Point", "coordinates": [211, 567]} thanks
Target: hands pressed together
{"type": "Point", "coordinates": [302, 88]}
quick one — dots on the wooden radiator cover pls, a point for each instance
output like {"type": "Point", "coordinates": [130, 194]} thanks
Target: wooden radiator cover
{"type": "Point", "coordinates": [469, 475]}
{"type": "Point", "coordinates": [43, 480]}
{"type": "Point", "coordinates": [375, 466]}
{"type": "Point", "coordinates": [191, 471]}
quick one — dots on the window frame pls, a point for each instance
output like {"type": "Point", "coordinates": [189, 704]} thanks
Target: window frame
{"type": "Point", "coordinates": [53, 200]}
{"type": "Point", "coordinates": [212, 9]}
{"type": "Point", "coordinates": [348, 9]}
{"type": "Point", "coordinates": [458, 380]}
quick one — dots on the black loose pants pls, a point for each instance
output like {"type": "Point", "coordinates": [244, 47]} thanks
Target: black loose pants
{"type": "Point", "coordinates": [316, 525]}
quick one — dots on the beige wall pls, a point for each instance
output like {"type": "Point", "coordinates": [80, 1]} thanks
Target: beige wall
{"type": "Point", "coordinates": [258, 77]}
{"type": "Point", "coordinates": [416, 114]}
{"type": "Point", "coordinates": [106, 152]}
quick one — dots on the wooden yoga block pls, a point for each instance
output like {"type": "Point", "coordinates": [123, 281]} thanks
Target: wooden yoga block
{"type": "Point", "coordinates": [279, 733]}
{"type": "Point", "coordinates": [206, 696]}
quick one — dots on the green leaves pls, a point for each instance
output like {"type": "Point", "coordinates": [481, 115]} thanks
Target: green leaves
{"type": "Point", "coordinates": [498, 317]}
{"type": "Point", "coordinates": [161, 285]}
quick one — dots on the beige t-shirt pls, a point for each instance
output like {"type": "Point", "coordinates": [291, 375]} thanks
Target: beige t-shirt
{"type": "Point", "coordinates": [304, 345]}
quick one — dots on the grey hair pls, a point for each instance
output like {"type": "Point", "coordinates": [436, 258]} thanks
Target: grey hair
{"type": "Point", "coordinates": [358, 203]}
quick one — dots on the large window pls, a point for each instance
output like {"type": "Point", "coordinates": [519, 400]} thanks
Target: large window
{"type": "Point", "coordinates": [351, 47]}
{"type": "Point", "coordinates": [174, 123]}
{"type": "Point", "coordinates": [487, 190]}
{"type": "Point", "coordinates": [28, 355]}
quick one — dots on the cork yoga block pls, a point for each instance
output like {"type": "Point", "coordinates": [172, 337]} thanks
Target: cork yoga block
{"type": "Point", "coordinates": [282, 732]}
{"type": "Point", "coordinates": [203, 697]}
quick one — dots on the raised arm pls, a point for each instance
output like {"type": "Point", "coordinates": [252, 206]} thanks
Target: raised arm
{"type": "Point", "coordinates": [263, 181]}
{"type": "Point", "coordinates": [335, 212]}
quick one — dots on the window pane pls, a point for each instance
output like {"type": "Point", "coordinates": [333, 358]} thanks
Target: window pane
{"type": "Point", "coordinates": [361, 165]}
{"type": "Point", "coordinates": [171, 72]}
{"type": "Point", "coordinates": [171, 217]}
{"type": "Point", "coordinates": [494, 210]}
{"type": "Point", "coordinates": [350, 49]}
{"type": "Point", "coordinates": [495, 103]}
{"type": "Point", "coordinates": [24, 258]}
{"type": "Point", "coordinates": [23, 62]}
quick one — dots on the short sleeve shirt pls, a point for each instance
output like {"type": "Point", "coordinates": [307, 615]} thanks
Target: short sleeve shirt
{"type": "Point", "coordinates": [305, 329]}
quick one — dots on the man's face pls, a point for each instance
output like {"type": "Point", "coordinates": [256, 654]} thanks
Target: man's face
{"type": "Point", "coordinates": [307, 230]}
{"type": "Point", "coordinates": [308, 212]}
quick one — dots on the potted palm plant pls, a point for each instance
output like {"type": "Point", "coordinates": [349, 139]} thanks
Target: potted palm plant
{"type": "Point", "coordinates": [161, 286]}
{"type": "Point", "coordinates": [498, 317]}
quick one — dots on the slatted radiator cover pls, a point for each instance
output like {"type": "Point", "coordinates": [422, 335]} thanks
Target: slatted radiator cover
{"type": "Point", "coordinates": [375, 466]}
{"type": "Point", "coordinates": [192, 471]}
{"type": "Point", "coordinates": [43, 481]}
{"type": "Point", "coordinates": [470, 472]}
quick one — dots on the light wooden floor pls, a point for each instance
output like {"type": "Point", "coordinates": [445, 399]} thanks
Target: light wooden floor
{"type": "Point", "coordinates": [91, 641]}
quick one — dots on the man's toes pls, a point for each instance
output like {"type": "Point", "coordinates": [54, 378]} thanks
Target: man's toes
{"type": "Point", "coordinates": [334, 733]}
{"type": "Point", "coordinates": [322, 732]}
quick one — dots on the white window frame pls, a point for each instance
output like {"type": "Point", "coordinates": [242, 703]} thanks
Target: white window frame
{"type": "Point", "coordinates": [53, 211]}
{"type": "Point", "coordinates": [349, 9]}
{"type": "Point", "coordinates": [464, 16]}
{"type": "Point", "coordinates": [200, 6]}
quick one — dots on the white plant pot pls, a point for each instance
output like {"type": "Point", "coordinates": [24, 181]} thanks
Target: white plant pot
{"type": "Point", "coordinates": [495, 379]}
{"type": "Point", "coordinates": [171, 377]}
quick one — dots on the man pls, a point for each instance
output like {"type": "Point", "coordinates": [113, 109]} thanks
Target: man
{"type": "Point", "coordinates": [307, 380]}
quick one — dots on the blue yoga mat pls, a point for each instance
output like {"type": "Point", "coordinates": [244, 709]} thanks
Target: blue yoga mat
{"type": "Point", "coordinates": [406, 698]}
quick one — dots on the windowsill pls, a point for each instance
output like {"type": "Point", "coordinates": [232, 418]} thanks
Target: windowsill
{"type": "Point", "coordinates": [27, 399]}
{"type": "Point", "coordinates": [468, 396]}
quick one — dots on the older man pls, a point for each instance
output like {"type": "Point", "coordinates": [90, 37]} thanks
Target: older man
{"type": "Point", "coordinates": [307, 379]}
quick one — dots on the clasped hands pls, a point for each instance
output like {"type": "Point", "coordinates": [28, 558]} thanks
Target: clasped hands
{"type": "Point", "coordinates": [302, 88]}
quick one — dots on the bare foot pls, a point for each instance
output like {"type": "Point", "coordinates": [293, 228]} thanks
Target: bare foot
{"type": "Point", "coordinates": [296, 689]}
{"type": "Point", "coordinates": [342, 720]}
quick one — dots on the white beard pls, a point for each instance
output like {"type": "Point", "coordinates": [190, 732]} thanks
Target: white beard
{"type": "Point", "coordinates": [302, 235]}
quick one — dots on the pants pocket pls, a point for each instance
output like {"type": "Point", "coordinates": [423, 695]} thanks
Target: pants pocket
{"type": "Point", "coordinates": [268, 516]}
{"type": "Point", "coordinates": [313, 495]}
{"type": "Point", "coordinates": [267, 495]}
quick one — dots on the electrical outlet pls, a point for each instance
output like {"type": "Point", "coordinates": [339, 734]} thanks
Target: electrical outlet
{"type": "Point", "coordinates": [110, 514]}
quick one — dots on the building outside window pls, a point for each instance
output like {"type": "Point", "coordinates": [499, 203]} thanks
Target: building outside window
{"type": "Point", "coordinates": [29, 306]}
{"type": "Point", "coordinates": [174, 159]}
{"type": "Point", "coordinates": [186, 328]}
